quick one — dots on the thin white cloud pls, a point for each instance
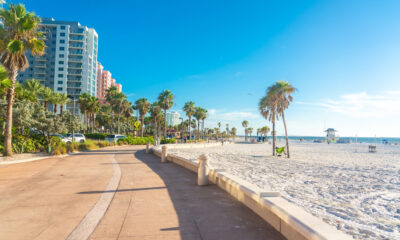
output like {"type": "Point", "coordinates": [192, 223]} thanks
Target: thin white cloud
{"type": "Point", "coordinates": [362, 105]}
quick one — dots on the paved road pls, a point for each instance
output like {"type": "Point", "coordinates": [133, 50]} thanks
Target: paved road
{"type": "Point", "coordinates": [118, 193]}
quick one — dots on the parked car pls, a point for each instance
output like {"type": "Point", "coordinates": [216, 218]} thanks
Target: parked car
{"type": "Point", "coordinates": [63, 138]}
{"type": "Point", "coordinates": [114, 137]}
{"type": "Point", "coordinates": [78, 137]}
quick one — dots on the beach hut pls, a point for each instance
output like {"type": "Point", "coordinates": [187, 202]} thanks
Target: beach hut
{"type": "Point", "coordinates": [330, 135]}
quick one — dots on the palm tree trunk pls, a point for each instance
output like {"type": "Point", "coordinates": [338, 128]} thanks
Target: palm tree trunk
{"type": "Point", "coordinates": [10, 101]}
{"type": "Point", "coordinates": [165, 123]}
{"type": "Point", "coordinates": [55, 108]}
{"type": "Point", "coordinates": [142, 123]}
{"type": "Point", "coordinates": [287, 138]}
{"type": "Point", "coordinates": [45, 105]}
{"type": "Point", "coordinates": [61, 109]}
{"type": "Point", "coordinates": [273, 138]}
{"type": "Point", "coordinates": [198, 129]}
{"type": "Point", "coordinates": [190, 126]}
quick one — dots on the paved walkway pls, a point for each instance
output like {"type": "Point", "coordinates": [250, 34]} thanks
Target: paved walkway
{"type": "Point", "coordinates": [48, 199]}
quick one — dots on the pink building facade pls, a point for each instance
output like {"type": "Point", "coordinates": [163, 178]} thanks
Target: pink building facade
{"type": "Point", "coordinates": [104, 82]}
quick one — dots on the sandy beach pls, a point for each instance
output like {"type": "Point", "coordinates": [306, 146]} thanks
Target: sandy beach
{"type": "Point", "coordinates": [342, 184]}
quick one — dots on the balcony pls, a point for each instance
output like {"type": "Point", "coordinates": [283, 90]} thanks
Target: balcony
{"type": "Point", "coordinates": [76, 38]}
{"type": "Point", "coordinates": [76, 46]}
{"type": "Point", "coordinates": [74, 72]}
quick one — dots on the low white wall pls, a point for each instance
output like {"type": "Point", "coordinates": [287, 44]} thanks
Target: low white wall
{"type": "Point", "coordinates": [292, 221]}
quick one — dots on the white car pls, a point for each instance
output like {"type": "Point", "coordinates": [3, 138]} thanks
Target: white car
{"type": "Point", "coordinates": [63, 138]}
{"type": "Point", "coordinates": [114, 137]}
{"type": "Point", "coordinates": [78, 137]}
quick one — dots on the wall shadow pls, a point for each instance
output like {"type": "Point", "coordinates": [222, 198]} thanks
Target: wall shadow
{"type": "Point", "coordinates": [206, 212]}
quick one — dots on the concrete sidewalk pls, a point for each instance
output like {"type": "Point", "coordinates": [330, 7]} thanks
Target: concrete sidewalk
{"type": "Point", "coordinates": [162, 201]}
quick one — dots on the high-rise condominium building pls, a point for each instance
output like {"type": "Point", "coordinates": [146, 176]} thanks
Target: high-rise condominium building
{"type": "Point", "coordinates": [103, 82]}
{"type": "Point", "coordinates": [173, 118]}
{"type": "Point", "coordinates": [69, 64]}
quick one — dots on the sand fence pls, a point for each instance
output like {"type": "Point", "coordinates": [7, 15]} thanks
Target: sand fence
{"type": "Point", "coordinates": [292, 221]}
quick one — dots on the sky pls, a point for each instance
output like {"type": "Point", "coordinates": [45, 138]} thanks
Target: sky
{"type": "Point", "coordinates": [343, 57]}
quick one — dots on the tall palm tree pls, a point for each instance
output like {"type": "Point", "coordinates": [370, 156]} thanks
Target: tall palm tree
{"type": "Point", "coordinates": [93, 106]}
{"type": "Point", "coordinates": [46, 94]}
{"type": "Point", "coordinates": [268, 110]}
{"type": "Point", "coordinates": [203, 118]}
{"type": "Point", "coordinates": [166, 99]}
{"type": "Point", "coordinates": [63, 99]}
{"type": "Point", "coordinates": [250, 131]}
{"type": "Point", "coordinates": [189, 109]}
{"type": "Point", "coordinates": [200, 114]}
{"type": "Point", "coordinates": [55, 100]}
{"type": "Point", "coordinates": [18, 34]}
{"type": "Point", "coordinates": [84, 107]}
{"type": "Point", "coordinates": [282, 92]}
{"type": "Point", "coordinates": [143, 106]}
{"type": "Point", "coordinates": [156, 114]}
{"type": "Point", "coordinates": [245, 124]}
{"type": "Point", "coordinates": [265, 130]}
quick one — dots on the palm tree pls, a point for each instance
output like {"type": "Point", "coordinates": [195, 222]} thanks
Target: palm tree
{"type": "Point", "coordinates": [265, 130]}
{"type": "Point", "coordinates": [268, 110]}
{"type": "Point", "coordinates": [245, 124]}
{"type": "Point", "coordinates": [233, 132]}
{"type": "Point", "coordinates": [18, 34]}
{"type": "Point", "coordinates": [55, 100]}
{"type": "Point", "coordinates": [143, 106]}
{"type": "Point", "coordinates": [156, 114]}
{"type": "Point", "coordinates": [46, 94]}
{"type": "Point", "coordinates": [200, 114]}
{"type": "Point", "coordinates": [189, 109]}
{"type": "Point", "coordinates": [33, 88]}
{"type": "Point", "coordinates": [250, 131]}
{"type": "Point", "coordinates": [92, 107]}
{"type": "Point", "coordinates": [166, 99]}
{"type": "Point", "coordinates": [63, 99]}
{"type": "Point", "coordinates": [84, 106]}
{"type": "Point", "coordinates": [282, 91]}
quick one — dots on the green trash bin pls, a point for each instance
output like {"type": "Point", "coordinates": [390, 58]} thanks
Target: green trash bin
{"type": "Point", "coordinates": [48, 149]}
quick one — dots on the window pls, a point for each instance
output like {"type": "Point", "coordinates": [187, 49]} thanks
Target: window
{"type": "Point", "coordinates": [61, 56]}
{"type": "Point", "coordinates": [59, 89]}
{"type": "Point", "coordinates": [62, 41]}
{"type": "Point", "coordinates": [62, 34]}
{"type": "Point", "coordinates": [60, 75]}
{"type": "Point", "coordinates": [62, 48]}
{"type": "Point", "coordinates": [62, 27]}
{"type": "Point", "coordinates": [60, 69]}
{"type": "Point", "coordinates": [60, 62]}
{"type": "Point", "coordinates": [60, 82]}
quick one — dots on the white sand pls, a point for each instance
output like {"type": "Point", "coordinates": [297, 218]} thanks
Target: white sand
{"type": "Point", "coordinates": [357, 192]}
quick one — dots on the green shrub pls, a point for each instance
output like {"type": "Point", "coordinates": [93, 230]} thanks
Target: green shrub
{"type": "Point", "coordinates": [60, 150]}
{"type": "Point", "coordinates": [167, 141]}
{"type": "Point", "coordinates": [135, 141]}
{"type": "Point", "coordinates": [104, 144]}
{"type": "Point", "coordinates": [87, 145]}
{"type": "Point", "coordinates": [21, 144]}
{"type": "Point", "coordinates": [96, 136]}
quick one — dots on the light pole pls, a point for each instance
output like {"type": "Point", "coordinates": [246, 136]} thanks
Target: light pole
{"type": "Point", "coordinates": [181, 129]}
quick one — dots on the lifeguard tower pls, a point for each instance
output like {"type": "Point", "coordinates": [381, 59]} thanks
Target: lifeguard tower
{"type": "Point", "coordinates": [330, 135]}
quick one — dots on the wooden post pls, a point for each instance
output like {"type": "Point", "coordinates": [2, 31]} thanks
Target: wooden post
{"type": "Point", "coordinates": [147, 147]}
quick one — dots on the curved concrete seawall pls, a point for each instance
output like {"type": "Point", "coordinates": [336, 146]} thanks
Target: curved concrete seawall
{"type": "Point", "coordinates": [292, 221]}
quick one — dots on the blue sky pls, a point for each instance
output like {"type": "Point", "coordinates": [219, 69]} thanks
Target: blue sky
{"type": "Point", "coordinates": [342, 56]}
